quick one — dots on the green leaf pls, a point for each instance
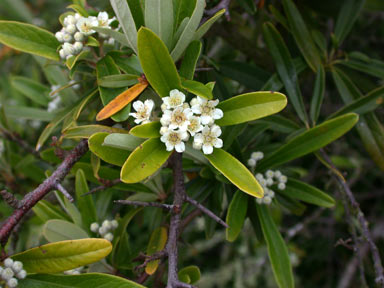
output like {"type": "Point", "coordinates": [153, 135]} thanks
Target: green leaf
{"type": "Point", "coordinates": [307, 193]}
{"type": "Point", "coordinates": [301, 34]}
{"type": "Point", "coordinates": [145, 160]}
{"type": "Point", "coordinates": [277, 250]}
{"type": "Point", "coordinates": [137, 12]}
{"type": "Point", "coordinates": [197, 88]}
{"type": "Point", "coordinates": [83, 55]}
{"type": "Point", "coordinates": [29, 39]}
{"type": "Point", "coordinates": [47, 211]}
{"type": "Point", "coordinates": [68, 207]}
{"type": "Point", "coordinates": [189, 31]}
{"type": "Point", "coordinates": [309, 141]}
{"type": "Point", "coordinates": [318, 94]}
{"type": "Point", "coordinates": [117, 81]}
{"type": "Point", "coordinates": [123, 141]}
{"type": "Point", "coordinates": [29, 113]}
{"type": "Point", "coordinates": [87, 131]}
{"type": "Point", "coordinates": [59, 230]}
{"type": "Point", "coordinates": [79, 9]}
{"type": "Point", "coordinates": [65, 255]}
{"type": "Point", "coordinates": [279, 123]}
{"type": "Point", "coordinates": [285, 68]}
{"type": "Point", "coordinates": [250, 106]}
{"type": "Point", "coordinates": [156, 244]}
{"type": "Point", "coordinates": [365, 64]}
{"type": "Point", "coordinates": [110, 155]}
{"type": "Point", "coordinates": [183, 9]}
{"type": "Point", "coordinates": [94, 280]}
{"type": "Point", "coordinates": [159, 19]}
{"type": "Point", "coordinates": [192, 54]}
{"type": "Point", "coordinates": [363, 105]}
{"type": "Point", "coordinates": [349, 12]}
{"type": "Point", "coordinates": [107, 67]}
{"type": "Point", "coordinates": [124, 15]}
{"type": "Point", "coordinates": [157, 64]}
{"type": "Point", "coordinates": [237, 211]}
{"type": "Point", "coordinates": [207, 25]}
{"type": "Point", "coordinates": [189, 275]}
{"type": "Point", "coordinates": [85, 204]}
{"type": "Point", "coordinates": [118, 36]}
{"type": "Point", "coordinates": [32, 89]}
{"type": "Point", "coordinates": [235, 172]}
{"type": "Point", "coordinates": [147, 130]}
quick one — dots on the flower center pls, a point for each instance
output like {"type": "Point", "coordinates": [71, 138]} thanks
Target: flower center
{"type": "Point", "coordinates": [175, 101]}
{"type": "Point", "coordinates": [174, 138]}
{"type": "Point", "coordinates": [206, 110]}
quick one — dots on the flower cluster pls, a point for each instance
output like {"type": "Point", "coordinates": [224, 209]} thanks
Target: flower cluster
{"type": "Point", "coordinates": [181, 120]}
{"type": "Point", "coordinates": [76, 30]}
{"type": "Point", "coordinates": [76, 271]}
{"type": "Point", "coordinates": [106, 229]}
{"type": "Point", "coordinates": [11, 271]}
{"type": "Point", "coordinates": [267, 180]}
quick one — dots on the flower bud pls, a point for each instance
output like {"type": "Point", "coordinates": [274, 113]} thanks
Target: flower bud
{"type": "Point", "coordinates": [267, 200]}
{"type": "Point", "coordinates": [22, 274]}
{"type": "Point", "coordinates": [269, 182]}
{"type": "Point", "coordinates": [259, 176]}
{"type": "Point", "coordinates": [109, 237]}
{"type": "Point", "coordinates": [7, 274]}
{"type": "Point", "coordinates": [78, 46]}
{"type": "Point", "coordinates": [17, 266]}
{"type": "Point", "coordinates": [69, 50]}
{"type": "Point", "coordinates": [283, 179]}
{"type": "Point", "coordinates": [70, 20]}
{"type": "Point", "coordinates": [60, 36]}
{"type": "Point", "coordinates": [102, 231]}
{"type": "Point", "coordinates": [251, 162]}
{"type": "Point", "coordinates": [67, 37]}
{"type": "Point", "coordinates": [8, 263]}
{"type": "Point", "coordinates": [79, 36]}
{"type": "Point", "coordinates": [114, 224]}
{"type": "Point", "coordinates": [62, 54]}
{"type": "Point", "coordinates": [281, 186]}
{"type": "Point", "coordinates": [106, 224]}
{"type": "Point", "coordinates": [94, 227]}
{"type": "Point", "coordinates": [277, 174]}
{"type": "Point", "coordinates": [71, 29]}
{"type": "Point", "coordinates": [259, 200]}
{"type": "Point", "coordinates": [12, 283]}
{"type": "Point", "coordinates": [269, 173]}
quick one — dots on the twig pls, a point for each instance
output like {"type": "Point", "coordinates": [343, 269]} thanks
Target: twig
{"type": "Point", "coordinates": [10, 199]}
{"type": "Point", "coordinates": [363, 223]}
{"type": "Point", "coordinates": [206, 211]}
{"type": "Point", "coordinates": [145, 204]}
{"type": "Point", "coordinates": [65, 192]}
{"type": "Point", "coordinates": [224, 4]}
{"type": "Point", "coordinates": [149, 258]}
{"type": "Point", "coordinates": [106, 185]}
{"type": "Point", "coordinates": [43, 189]}
{"type": "Point", "coordinates": [14, 137]}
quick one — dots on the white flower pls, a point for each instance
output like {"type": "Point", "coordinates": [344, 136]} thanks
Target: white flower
{"type": "Point", "coordinates": [206, 108]}
{"type": "Point", "coordinates": [270, 193]}
{"type": "Point", "coordinates": [95, 227]}
{"type": "Point", "coordinates": [104, 20]}
{"type": "Point", "coordinates": [78, 46]}
{"type": "Point", "coordinates": [143, 111]}
{"type": "Point", "coordinates": [259, 200]}
{"type": "Point", "coordinates": [277, 174]}
{"type": "Point", "coordinates": [62, 53]}
{"type": "Point", "coordinates": [17, 266]}
{"type": "Point", "coordinates": [251, 162]}
{"type": "Point", "coordinates": [178, 118]}
{"type": "Point", "coordinates": [259, 176]}
{"type": "Point", "coordinates": [8, 263]}
{"type": "Point", "coordinates": [106, 224]}
{"type": "Point", "coordinates": [22, 274]}
{"type": "Point", "coordinates": [257, 155]}
{"type": "Point", "coordinates": [69, 49]}
{"type": "Point", "coordinates": [67, 37]}
{"type": "Point", "coordinates": [267, 200]}
{"type": "Point", "coordinates": [12, 283]}
{"type": "Point", "coordinates": [283, 179]}
{"type": "Point", "coordinates": [194, 125]}
{"type": "Point", "coordinates": [173, 139]}
{"type": "Point", "coordinates": [60, 36]}
{"type": "Point", "coordinates": [79, 36]}
{"type": "Point", "coordinates": [109, 237]}
{"type": "Point", "coordinates": [269, 173]}
{"type": "Point", "coordinates": [269, 181]}
{"type": "Point", "coordinates": [70, 29]}
{"type": "Point", "coordinates": [54, 104]}
{"type": "Point", "coordinates": [7, 274]}
{"type": "Point", "coordinates": [78, 17]}
{"type": "Point", "coordinates": [114, 224]}
{"type": "Point", "coordinates": [281, 186]}
{"type": "Point", "coordinates": [175, 99]}
{"type": "Point", "coordinates": [85, 25]}
{"type": "Point", "coordinates": [208, 138]}
{"type": "Point", "coordinates": [103, 231]}
{"type": "Point", "coordinates": [163, 130]}
{"type": "Point", "coordinates": [70, 20]}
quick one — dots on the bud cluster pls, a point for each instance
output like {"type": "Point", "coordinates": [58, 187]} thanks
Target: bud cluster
{"type": "Point", "coordinates": [267, 180]}
{"type": "Point", "coordinates": [76, 30]}
{"type": "Point", "coordinates": [12, 271]}
{"type": "Point", "coordinates": [106, 229]}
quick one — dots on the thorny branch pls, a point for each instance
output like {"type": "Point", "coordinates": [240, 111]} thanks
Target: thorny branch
{"type": "Point", "coordinates": [43, 189]}
{"type": "Point", "coordinates": [363, 223]}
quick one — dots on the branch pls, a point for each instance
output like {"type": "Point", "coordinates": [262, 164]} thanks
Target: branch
{"type": "Point", "coordinates": [36, 195]}
{"type": "Point", "coordinates": [14, 137]}
{"type": "Point", "coordinates": [145, 204]}
{"type": "Point", "coordinates": [10, 199]}
{"type": "Point", "coordinates": [106, 185]}
{"type": "Point", "coordinates": [363, 223]}
{"type": "Point", "coordinates": [206, 211]}
{"type": "Point", "coordinates": [66, 194]}
{"type": "Point", "coordinates": [149, 258]}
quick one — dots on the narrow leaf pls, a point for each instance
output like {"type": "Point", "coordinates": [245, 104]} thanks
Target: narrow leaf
{"type": "Point", "coordinates": [236, 215]}
{"type": "Point", "coordinates": [85, 204]}
{"type": "Point", "coordinates": [197, 88]}
{"type": "Point", "coordinates": [156, 244]}
{"type": "Point", "coordinates": [192, 54]}
{"type": "Point", "coordinates": [123, 141]}
{"type": "Point", "coordinates": [59, 230]}
{"type": "Point", "coordinates": [207, 25]}
{"type": "Point", "coordinates": [147, 130]}
{"type": "Point", "coordinates": [318, 94]}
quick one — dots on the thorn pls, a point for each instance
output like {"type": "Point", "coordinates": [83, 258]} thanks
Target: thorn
{"type": "Point", "coordinates": [10, 199]}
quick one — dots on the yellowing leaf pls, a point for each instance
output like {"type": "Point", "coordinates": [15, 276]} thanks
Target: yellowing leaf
{"type": "Point", "coordinates": [122, 100]}
{"type": "Point", "coordinates": [156, 243]}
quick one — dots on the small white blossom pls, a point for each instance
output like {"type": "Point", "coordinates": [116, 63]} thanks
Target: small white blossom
{"type": "Point", "coordinates": [206, 108]}
{"type": "Point", "coordinates": [67, 37]}
{"type": "Point", "coordinates": [277, 174]}
{"type": "Point", "coordinates": [70, 20]}
{"type": "Point", "coordinates": [7, 274]}
{"type": "Point", "coordinates": [12, 283]}
{"type": "Point", "coordinates": [251, 162]}
{"type": "Point", "coordinates": [104, 20]}
{"type": "Point", "coordinates": [95, 227]}
{"type": "Point", "coordinates": [259, 176]}
{"type": "Point", "coordinates": [22, 274]}
{"type": "Point", "coordinates": [257, 155]}
{"type": "Point", "coordinates": [70, 29]}
{"type": "Point", "coordinates": [269, 181]}
{"type": "Point", "coordinates": [143, 111]}
{"type": "Point", "coordinates": [283, 179]}
{"type": "Point", "coordinates": [103, 231]}
{"type": "Point", "coordinates": [111, 41]}
{"type": "Point", "coordinates": [79, 36]}
{"type": "Point", "coordinates": [175, 99]}
{"type": "Point", "coordinates": [8, 263]}
{"type": "Point", "coordinates": [60, 36]}
{"type": "Point", "coordinates": [85, 25]}
{"type": "Point", "coordinates": [194, 125]}
{"type": "Point", "coordinates": [78, 47]}
{"type": "Point", "coordinates": [208, 138]}
{"type": "Point", "coordinates": [267, 200]}
{"type": "Point", "coordinates": [269, 173]}
{"type": "Point", "coordinates": [17, 266]}
{"type": "Point", "coordinates": [173, 139]}
{"type": "Point", "coordinates": [281, 186]}
{"type": "Point", "coordinates": [78, 17]}
{"type": "Point", "coordinates": [54, 104]}
{"type": "Point", "coordinates": [62, 54]}
{"type": "Point", "coordinates": [69, 49]}
{"type": "Point", "coordinates": [114, 224]}
{"type": "Point", "coordinates": [259, 200]}
{"type": "Point", "coordinates": [109, 237]}
{"type": "Point", "coordinates": [177, 119]}
{"type": "Point", "coordinates": [106, 224]}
